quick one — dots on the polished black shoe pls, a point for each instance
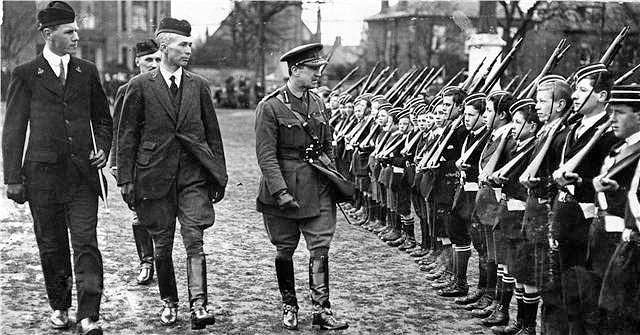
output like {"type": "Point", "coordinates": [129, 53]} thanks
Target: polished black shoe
{"type": "Point", "coordinates": [391, 235]}
{"type": "Point", "coordinates": [381, 230]}
{"type": "Point", "coordinates": [499, 317]}
{"type": "Point", "coordinates": [408, 243]}
{"type": "Point", "coordinates": [419, 252]}
{"type": "Point", "coordinates": [290, 317]}
{"type": "Point", "coordinates": [59, 319]}
{"type": "Point", "coordinates": [512, 328]}
{"type": "Point", "coordinates": [443, 282]}
{"type": "Point", "coordinates": [471, 298]}
{"type": "Point", "coordinates": [323, 319]}
{"type": "Point", "coordinates": [457, 290]}
{"type": "Point", "coordinates": [482, 303]}
{"type": "Point", "coordinates": [397, 242]}
{"type": "Point", "coordinates": [169, 313]}
{"type": "Point", "coordinates": [200, 316]}
{"type": "Point", "coordinates": [146, 274]}
{"type": "Point", "coordinates": [434, 274]}
{"type": "Point", "coordinates": [485, 312]}
{"type": "Point", "coordinates": [89, 327]}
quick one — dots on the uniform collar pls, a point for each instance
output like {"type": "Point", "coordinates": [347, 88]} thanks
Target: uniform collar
{"type": "Point", "coordinates": [167, 75]}
{"type": "Point", "coordinates": [633, 139]}
{"type": "Point", "coordinates": [54, 61]}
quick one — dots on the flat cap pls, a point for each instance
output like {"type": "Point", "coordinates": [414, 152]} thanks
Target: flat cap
{"type": "Point", "coordinates": [588, 70]}
{"type": "Point", "coordinates": [171, 25]}
{"type": "Point", "coordinates": [308, 54]}
{"type": "Point", "coordinates": [56, 13]}
{"type": "Point", "coordinates": [526, 105]}
{"type": "Point", "coordinates": [146, 47]}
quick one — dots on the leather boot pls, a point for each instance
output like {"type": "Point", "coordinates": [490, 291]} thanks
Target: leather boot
{"type": "Point", "coordinates": [168, 290]}
{"type": "Point", "coordinates": [482, 303]}
{"type": "Point", "coordinates": [399, 241]}
{"type": "Point", "coordinates": [514, 326]}
{"type": "Point", "coordinates": [386, 222]}
{"type": "Point", "coordinates": [323, 317]}
{"type": "Point", "coordinates": [197, 282]}
{"type": "Point", "coordinates": [394, 232]}
{"type": "Point", "coordinates": [286, 284]}
{"type": "Point", "coordinates": [471, 298]}
{"type": "Point", "coordinates": [501, 316]}
{"type": "Point", "coordinates": [410, 234]}
{"type": "Point", "coordinates": [144, 246]}
{"type": "Point", "coordinates": [446, 280]}
{"type": "Point", "coordinates": [485, 312]}
{"type": "Point", "coordinates": [461, 287]}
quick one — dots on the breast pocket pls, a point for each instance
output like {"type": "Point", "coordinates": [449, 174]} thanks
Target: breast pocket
{"type": "Point", "coordinates": [290, 132]}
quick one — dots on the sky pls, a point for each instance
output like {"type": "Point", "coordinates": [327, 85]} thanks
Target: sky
{"type": "Point", "coordinates": [339, 17]}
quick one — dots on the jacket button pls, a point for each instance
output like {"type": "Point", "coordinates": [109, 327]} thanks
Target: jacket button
{"type": "Point", "coordinates": [66, 121]}
{"type": "Point", "coordinates": [69, 139]}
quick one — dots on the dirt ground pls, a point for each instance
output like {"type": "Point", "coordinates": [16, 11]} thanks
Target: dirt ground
{"type": "Point", "coordinates": [378, 289]}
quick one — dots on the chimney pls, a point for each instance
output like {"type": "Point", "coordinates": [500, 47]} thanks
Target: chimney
{"type": "Point", "coordinates": [338, 41]}
{"type": "Point", "coordinates": [403, 5]}
{"type": "Point", "coordinates": [384, 6]}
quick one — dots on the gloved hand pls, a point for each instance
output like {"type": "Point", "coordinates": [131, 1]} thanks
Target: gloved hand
{"type": "Point", "coordinates": [17, 193]}
{"type": "Point", "coordinates": [285, 200]}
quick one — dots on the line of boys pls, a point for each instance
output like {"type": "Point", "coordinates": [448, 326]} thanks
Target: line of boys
{"type": "Point", "coordinates": [464, 163]}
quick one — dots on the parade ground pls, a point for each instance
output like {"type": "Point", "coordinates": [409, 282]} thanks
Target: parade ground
{"type": "Point", "coordinates": [376, 288]}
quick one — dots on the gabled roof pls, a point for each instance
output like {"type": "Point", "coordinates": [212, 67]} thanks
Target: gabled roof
{"type": "Point", "coordinates": [470, 9]}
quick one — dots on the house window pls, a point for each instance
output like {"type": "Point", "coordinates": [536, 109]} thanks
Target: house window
{"type": "Point", "coordinates": [139, 15]}
{"type": "Point", "coordinates": [438, 37]}
{"type": "Point", "coordinates": [86, 17]}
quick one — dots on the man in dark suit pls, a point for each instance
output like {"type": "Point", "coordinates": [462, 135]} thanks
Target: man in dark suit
{"type": "Point", "coordinates": [294, 197]}
{"type": "Point", "coordinates": [147, 59]}
{"type": "Point", "coordinates": [171, 164]}
{"type": "Point", "coordinates": [61, 98]}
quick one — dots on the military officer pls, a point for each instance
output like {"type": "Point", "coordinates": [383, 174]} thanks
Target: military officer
{"type": "Point", "coordinates": [171, 164]}
{"type": "Point", "coordinates": [292, 129]}
{"type": "Point", "coordinates": [61, 97]}
{"type": "Point", "coordinates": [147, 59]}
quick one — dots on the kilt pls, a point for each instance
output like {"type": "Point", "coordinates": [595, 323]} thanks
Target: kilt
{"type": "Point", "coordinates": [620, 293]}
{"type": "Point", "coordinates": [532, 255]}
{"type": "Point", "coordinates": [487, 207]}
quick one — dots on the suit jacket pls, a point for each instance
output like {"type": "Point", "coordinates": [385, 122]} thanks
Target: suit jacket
{"type": "Point", "coordinates": [547, 188]}
{"type": "Point", "coordinates": [616, 200]}
{"type": "Point", "coordinates": [280, 144]}
{"type": "Point", "coordinates": [59, 118]}
{"type": "Point", "coordinates": [117, 107]}
{"type": "Point", "coordinates": [153, 132]}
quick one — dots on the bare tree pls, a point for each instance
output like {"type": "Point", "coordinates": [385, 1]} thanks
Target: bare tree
{"type": "Point", "coordinates": [18, 30]}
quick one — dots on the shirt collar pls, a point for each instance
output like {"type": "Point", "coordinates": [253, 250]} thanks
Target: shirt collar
{"type": "Point", "coordinates": [633, 139]}
{"type": "Point", "coordinates": [478, 131]}
{"type": "Point", "coordinates": [588, 121]}
{"type": "Point", "coordinates": [522, 143]}
{"type": "Point", "coordinates": [54, 60]}
{"type": "Point", "coordinates": [167, 75]}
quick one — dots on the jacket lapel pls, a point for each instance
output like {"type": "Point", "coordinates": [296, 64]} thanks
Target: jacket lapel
{"type": "Point", "coordinates": [577, 145]}
{"type": "Point", "coordinates": [162, 94]}
{"type": "Point", "coordinates": [188, 96]}
{"type": "Point", "coordinates": [47, 77]}
{"type": "Point", "coordinates": [74, 79]}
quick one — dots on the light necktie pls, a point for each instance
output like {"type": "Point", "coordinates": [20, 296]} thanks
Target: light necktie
{"type": "Point", "coordinates": [63, 76]}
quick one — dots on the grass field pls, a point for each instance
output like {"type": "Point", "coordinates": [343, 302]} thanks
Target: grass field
{"type": "Point", "coordinates": [378, 289]}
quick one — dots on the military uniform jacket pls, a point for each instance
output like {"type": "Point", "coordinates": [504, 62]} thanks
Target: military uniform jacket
{"type": "Point", "coordinates": [546, 188]}
{"type": "Point", "coordinates": [447, 176]}
{"type": "Point", "coordinates": [117, 107]}
{"type": "Point", "coordinates": [153, 132]}
{"type": "Point", "coordinates": [280, 144]}
{"type": "Point", "coordinates": [59, 142]}
{"type": "Point", "coordinates": [616, 199]}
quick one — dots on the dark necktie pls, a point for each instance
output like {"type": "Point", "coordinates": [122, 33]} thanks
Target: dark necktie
{"type": "Point", "coordinates": [62, 77]}
{"type": "Point", "coordinates": [174, 87]}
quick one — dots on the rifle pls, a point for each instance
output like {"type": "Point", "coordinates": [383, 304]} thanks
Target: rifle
{"type": "Point", "coordinates": [366, 83]}
{"type": "Point", "coordinates": [521, 83]}
{"type": "Point", "coordinates": [354, 86]}
{"type": "Point", "coordinates": [450, 82]}
{"type": "Point", "coordinates": [511, 83]}
{"type": "Point", "coordinates": [400, 85]}
{"type": "Point", "coordinates": [488, 169]}
{"type": "Point", "coordinates": [375, 81]}
{"type": "Point", "coordinates": [467, 83]}
{"type": "Point", "coordinates": [548, 67]}
{"type": "Point", "coordinates": [428, 80]}
{"type": "Point", "coordinates": [345, 78]}
{"type": "Point", "coordinates": [626, 75]}
{"type": "Point", "coordinates": [495, 76]}
{"type": "Point", "coordinates": [483, 78]}
{"type": "Point", "coordinates": [572, 164]}
{"type": "Point", "coordinates": [469, 152]}
{"type": "Point", "coordinates": [430, 161]}
{"type": "Point", "coordinates": [408, 88]}
{"type": "Point", "coordinates": [614, 47]}
{"type": "Point", "coordinates": [385, 82]}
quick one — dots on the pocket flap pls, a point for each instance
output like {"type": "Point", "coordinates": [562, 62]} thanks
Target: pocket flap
{"type": "Point", "coordinates": [286, 122]}
{"type": "Point", "coordinates": [42, 156]}
{"type": "Point", "coordinates": [146, 145]}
